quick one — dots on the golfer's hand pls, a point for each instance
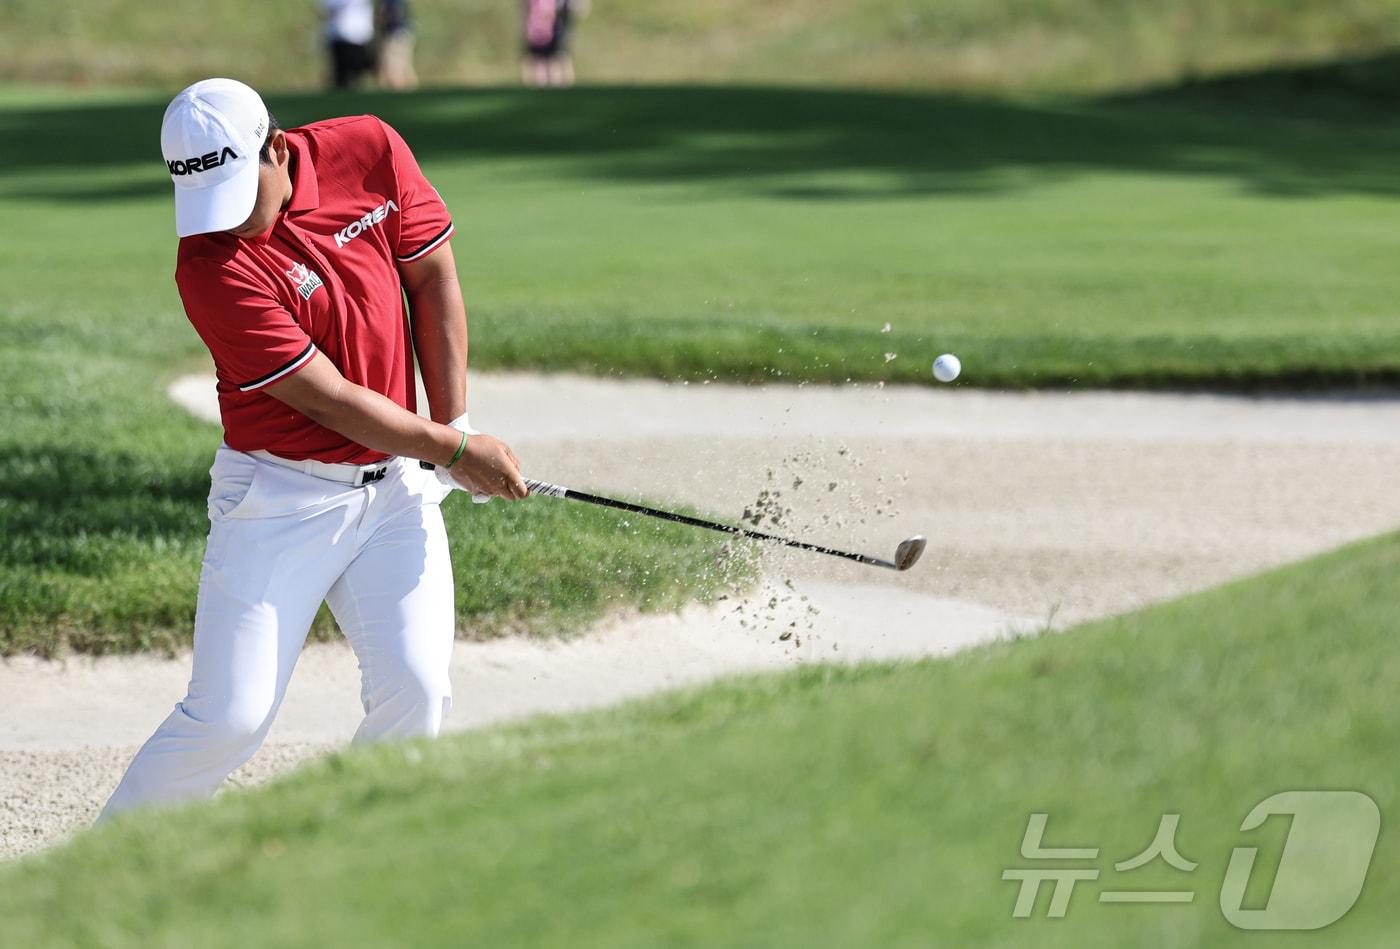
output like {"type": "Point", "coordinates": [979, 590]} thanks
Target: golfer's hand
{"type": "Point", "coordinates": [488, 466]}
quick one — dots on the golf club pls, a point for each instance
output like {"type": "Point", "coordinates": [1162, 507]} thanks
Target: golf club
{"type": "Point", "coordinates": [905, 555]}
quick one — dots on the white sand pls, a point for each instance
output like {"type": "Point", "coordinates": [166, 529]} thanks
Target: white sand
{"type": "Point", "coordinates": [1040, 507]}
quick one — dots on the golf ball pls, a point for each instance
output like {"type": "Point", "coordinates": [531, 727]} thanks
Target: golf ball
{"type": "Point", "coordinates": [946, 367]}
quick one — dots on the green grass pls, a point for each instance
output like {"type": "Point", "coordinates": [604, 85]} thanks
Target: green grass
{"type": "Point", "coordinates": [875, 805]}
{"type": "Point", "coordinates": [969, 44]}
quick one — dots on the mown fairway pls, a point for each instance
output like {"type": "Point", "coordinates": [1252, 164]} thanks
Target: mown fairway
{"type": "Point", "coordinates": [873, 806]}
{"type": "Point", "coordinates": [1242, 239]}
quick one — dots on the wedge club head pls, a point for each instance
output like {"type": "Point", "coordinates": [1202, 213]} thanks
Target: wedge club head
{"type": "Point", "coordinates": [909, 551]}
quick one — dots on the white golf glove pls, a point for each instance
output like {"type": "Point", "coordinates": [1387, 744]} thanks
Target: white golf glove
{"type": "Point", "coordinates": [462, 424]}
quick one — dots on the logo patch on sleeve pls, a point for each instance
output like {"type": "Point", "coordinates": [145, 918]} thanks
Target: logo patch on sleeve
{"type": "Point", "coordinates": [305, 280]}
{"type": "Point", "coordinates": [371, 217]}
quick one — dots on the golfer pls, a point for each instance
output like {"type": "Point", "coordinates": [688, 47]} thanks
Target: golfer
{"type": "Point", "coordinates": [297, 250]}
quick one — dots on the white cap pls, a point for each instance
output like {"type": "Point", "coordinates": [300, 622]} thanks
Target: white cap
{"type": "Point", "coordinates": [211, 136]}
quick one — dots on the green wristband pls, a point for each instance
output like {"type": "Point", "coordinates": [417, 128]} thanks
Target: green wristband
{"type": "Point", "coordinates": [460, 448]}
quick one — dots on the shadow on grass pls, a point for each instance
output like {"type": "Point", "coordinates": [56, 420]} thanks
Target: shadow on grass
{"type": "Point", "coordinates": [1364, 88]}
{"type": "Point", "coordinates": [1321, 129]}
{"type": "Point", "coordinates": [70, 509]}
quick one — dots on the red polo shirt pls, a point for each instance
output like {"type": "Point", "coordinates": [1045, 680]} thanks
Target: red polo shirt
{"type": "Point", "coordinates": [323, 278]}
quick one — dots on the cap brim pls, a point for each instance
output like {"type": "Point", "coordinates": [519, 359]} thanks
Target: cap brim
{"type": "Point", "coordinates": [219, 207]}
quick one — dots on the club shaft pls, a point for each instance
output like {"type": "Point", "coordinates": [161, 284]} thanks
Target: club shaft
{"type": "Point", "coordinates": [559, 491]}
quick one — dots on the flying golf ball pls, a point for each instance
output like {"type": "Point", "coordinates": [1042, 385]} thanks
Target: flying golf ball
{"type": "Point", "coordinates": [946, 367]}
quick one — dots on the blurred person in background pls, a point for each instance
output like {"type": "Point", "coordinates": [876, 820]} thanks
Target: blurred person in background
{"type": "Point", "coordinates": [396, 46]}
{"type": "Point", "coordinates": [546, 27]}
{"type": "Point", "coordinates": [349, 32]}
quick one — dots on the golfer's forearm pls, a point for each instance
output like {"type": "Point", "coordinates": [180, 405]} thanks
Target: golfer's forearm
{"type": "Point", "coordinates": [439, 324]}
{"type": "Point", "coordinates": [368, 418]}
{"type": "Point", "coordinates": [362, 415]}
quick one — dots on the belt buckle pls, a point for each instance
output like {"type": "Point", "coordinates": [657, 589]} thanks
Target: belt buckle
{"type": "Point", "coordinates": [370, 477]}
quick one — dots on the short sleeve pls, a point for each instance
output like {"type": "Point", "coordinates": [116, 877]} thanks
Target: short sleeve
{"type": "Point", "coordinates": [424, 223]}
{"type": "Point", "coordinates": [250, 333]}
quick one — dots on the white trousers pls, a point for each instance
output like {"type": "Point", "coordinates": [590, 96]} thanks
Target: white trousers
{"type": "Point", "coordinates": [281, 542]}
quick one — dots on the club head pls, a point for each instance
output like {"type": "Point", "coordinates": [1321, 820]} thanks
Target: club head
{"type": "Point", "coordinates": [908, 552]}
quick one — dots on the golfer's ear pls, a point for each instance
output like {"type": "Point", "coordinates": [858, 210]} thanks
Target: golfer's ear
{"type": "Point", "coordinates": [281, 154]}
